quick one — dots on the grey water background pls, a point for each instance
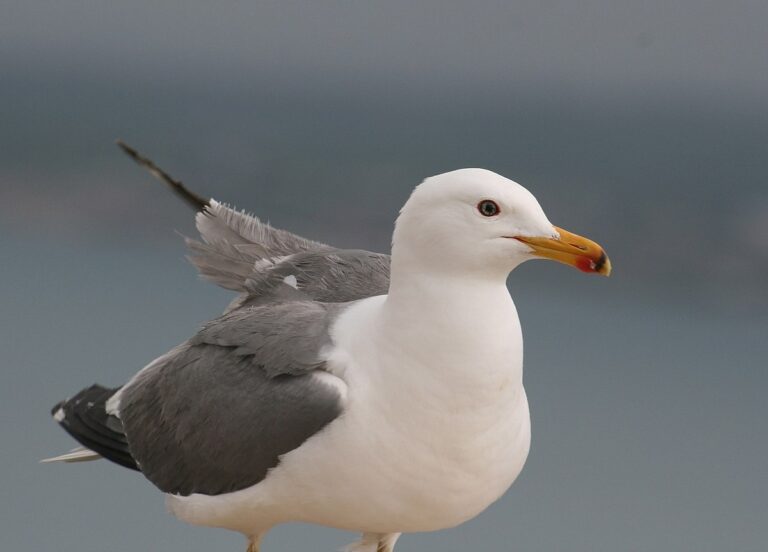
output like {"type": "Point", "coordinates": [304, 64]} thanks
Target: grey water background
{"type": "Point", "coordinates": [641, 125]}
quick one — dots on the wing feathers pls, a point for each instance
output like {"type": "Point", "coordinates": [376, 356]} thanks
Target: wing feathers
{"type": "Point", "coordinates": [85, 418]}
{"type": "Point", "coordinates": [236, 246]}
{"type": "Point", "coordinates": [79, 454]}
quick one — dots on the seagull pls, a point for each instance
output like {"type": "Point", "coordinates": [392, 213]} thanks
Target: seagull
{"type": "Point", "coordinates": [367, 392]}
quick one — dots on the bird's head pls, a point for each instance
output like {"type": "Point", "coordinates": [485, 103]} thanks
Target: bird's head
{"type": "Point", "coordinates": [476, 220]}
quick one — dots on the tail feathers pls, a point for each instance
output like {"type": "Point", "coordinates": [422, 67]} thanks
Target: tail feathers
{"type": "Point", "coordinates": [85, 418]}
{"type": "Point", "coordinates": [79, 454]}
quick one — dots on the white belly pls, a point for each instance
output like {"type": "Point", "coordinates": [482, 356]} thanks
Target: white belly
{"type": "Point", "coordinates": [407, 468]}
{"type": "Point", "coordinates": [427, 439]}
{"type": "Point", "coordinates": [417, 448]}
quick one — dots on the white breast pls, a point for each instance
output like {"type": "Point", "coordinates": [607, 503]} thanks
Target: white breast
{"type": "Point", "coordinates": [429, 438]}
{"type": "Point", "coordinates": [435, 428]}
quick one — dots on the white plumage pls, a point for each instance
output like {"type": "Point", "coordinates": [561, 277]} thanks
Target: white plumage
{"type": "Point", "coordinates": [435, 424]}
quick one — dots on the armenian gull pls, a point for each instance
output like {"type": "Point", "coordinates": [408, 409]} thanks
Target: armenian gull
{"type": "Point", "coordinates": [367, 392]}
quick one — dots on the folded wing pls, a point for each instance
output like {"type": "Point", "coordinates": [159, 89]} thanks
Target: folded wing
{"type": "Point", "coordinates": [216, 415]}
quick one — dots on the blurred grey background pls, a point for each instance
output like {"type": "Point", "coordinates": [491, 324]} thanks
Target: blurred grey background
{"type": "Point", "coordinates": [643, 125]}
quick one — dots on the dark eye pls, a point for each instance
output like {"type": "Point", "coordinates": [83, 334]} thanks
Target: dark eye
{"type": "Point", "coordinates": [488, 208]}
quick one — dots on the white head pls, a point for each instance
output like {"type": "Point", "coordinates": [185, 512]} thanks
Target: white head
{"type": "Point", "coordinates": [476, 221]}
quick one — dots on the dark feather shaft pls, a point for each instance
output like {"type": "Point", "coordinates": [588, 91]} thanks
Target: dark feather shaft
{"type": "Point", "coordinates": [197, 202]}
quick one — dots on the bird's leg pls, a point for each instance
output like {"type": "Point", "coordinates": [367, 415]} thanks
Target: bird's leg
{"type": "Point", "coordinates": [253, 543]}
{"type": "Point", "coordinates": [387, 542]}
{"type": "Point", "coordinates": [374, 542]}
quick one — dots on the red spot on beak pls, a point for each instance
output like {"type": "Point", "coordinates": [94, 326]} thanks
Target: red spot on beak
{"type": "Point", "coordinates": [585, 264]}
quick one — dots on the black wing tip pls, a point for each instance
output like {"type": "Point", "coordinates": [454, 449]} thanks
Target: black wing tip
{"type": "Point", "coordinates": [127, 149]}
{"type": "Point", "coordinates": [94, 394]}
{"type": "Point", "coordinates": [58, 406]}
{"type": "Point", "coordinates": [85, 418]}
{"type": "Point", "coordinates": [197, 202]}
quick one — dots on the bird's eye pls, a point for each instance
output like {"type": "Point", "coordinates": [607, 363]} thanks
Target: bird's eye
{"type": "Point", "coordinates": [488, 208]}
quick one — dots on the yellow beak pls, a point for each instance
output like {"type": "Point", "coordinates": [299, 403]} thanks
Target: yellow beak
{"type": "Point", "coordinates": [572, 250]}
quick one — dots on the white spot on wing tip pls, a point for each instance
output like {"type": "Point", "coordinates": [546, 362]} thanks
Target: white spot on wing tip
{"type": "Point", "coordinates": [59, 415]}
{"type": "Point", "coordinates": [291, 281]}
{"type": "Point", "coordinates": [112, 405]}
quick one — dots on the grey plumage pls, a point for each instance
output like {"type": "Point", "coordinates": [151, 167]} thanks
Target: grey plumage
{"type": "Point", "coordinates": [235, 245]}
{"type": "Point", "coordinates": [216, 413]}
{"type": "Point", "coordinates": [281, 338]}
{"type": "Point", "coordinates": [214, 416]}
{"type": "Point", "coordinates": [335, 276]}
{"type": "Point", "coordinates": [241, 253]}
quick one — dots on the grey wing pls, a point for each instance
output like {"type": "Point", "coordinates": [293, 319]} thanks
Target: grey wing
{"type": "Point", "coordinates": [235, 245]}
{"type": "Point", "coordinates": [336, 276]}
{"type": "Point", "coordinates": [238, 252]}
{"type": "Point", "coordinates": [217, 414]}
{"type": "Point", "coordinates": [241, 253]}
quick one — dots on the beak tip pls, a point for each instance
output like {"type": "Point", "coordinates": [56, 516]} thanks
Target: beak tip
{"type": "Point", "coordinates": [603, 265]}
{"type": "Point", "coordinates": [570, 249]}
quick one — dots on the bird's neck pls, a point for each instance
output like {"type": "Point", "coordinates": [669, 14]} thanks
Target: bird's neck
{"type": "Point", "coordinates": [472, 313]}
{"type": "Point", "coordinates": [429, 292]}
{"type": "Point", "coordinates": [428, 287]}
